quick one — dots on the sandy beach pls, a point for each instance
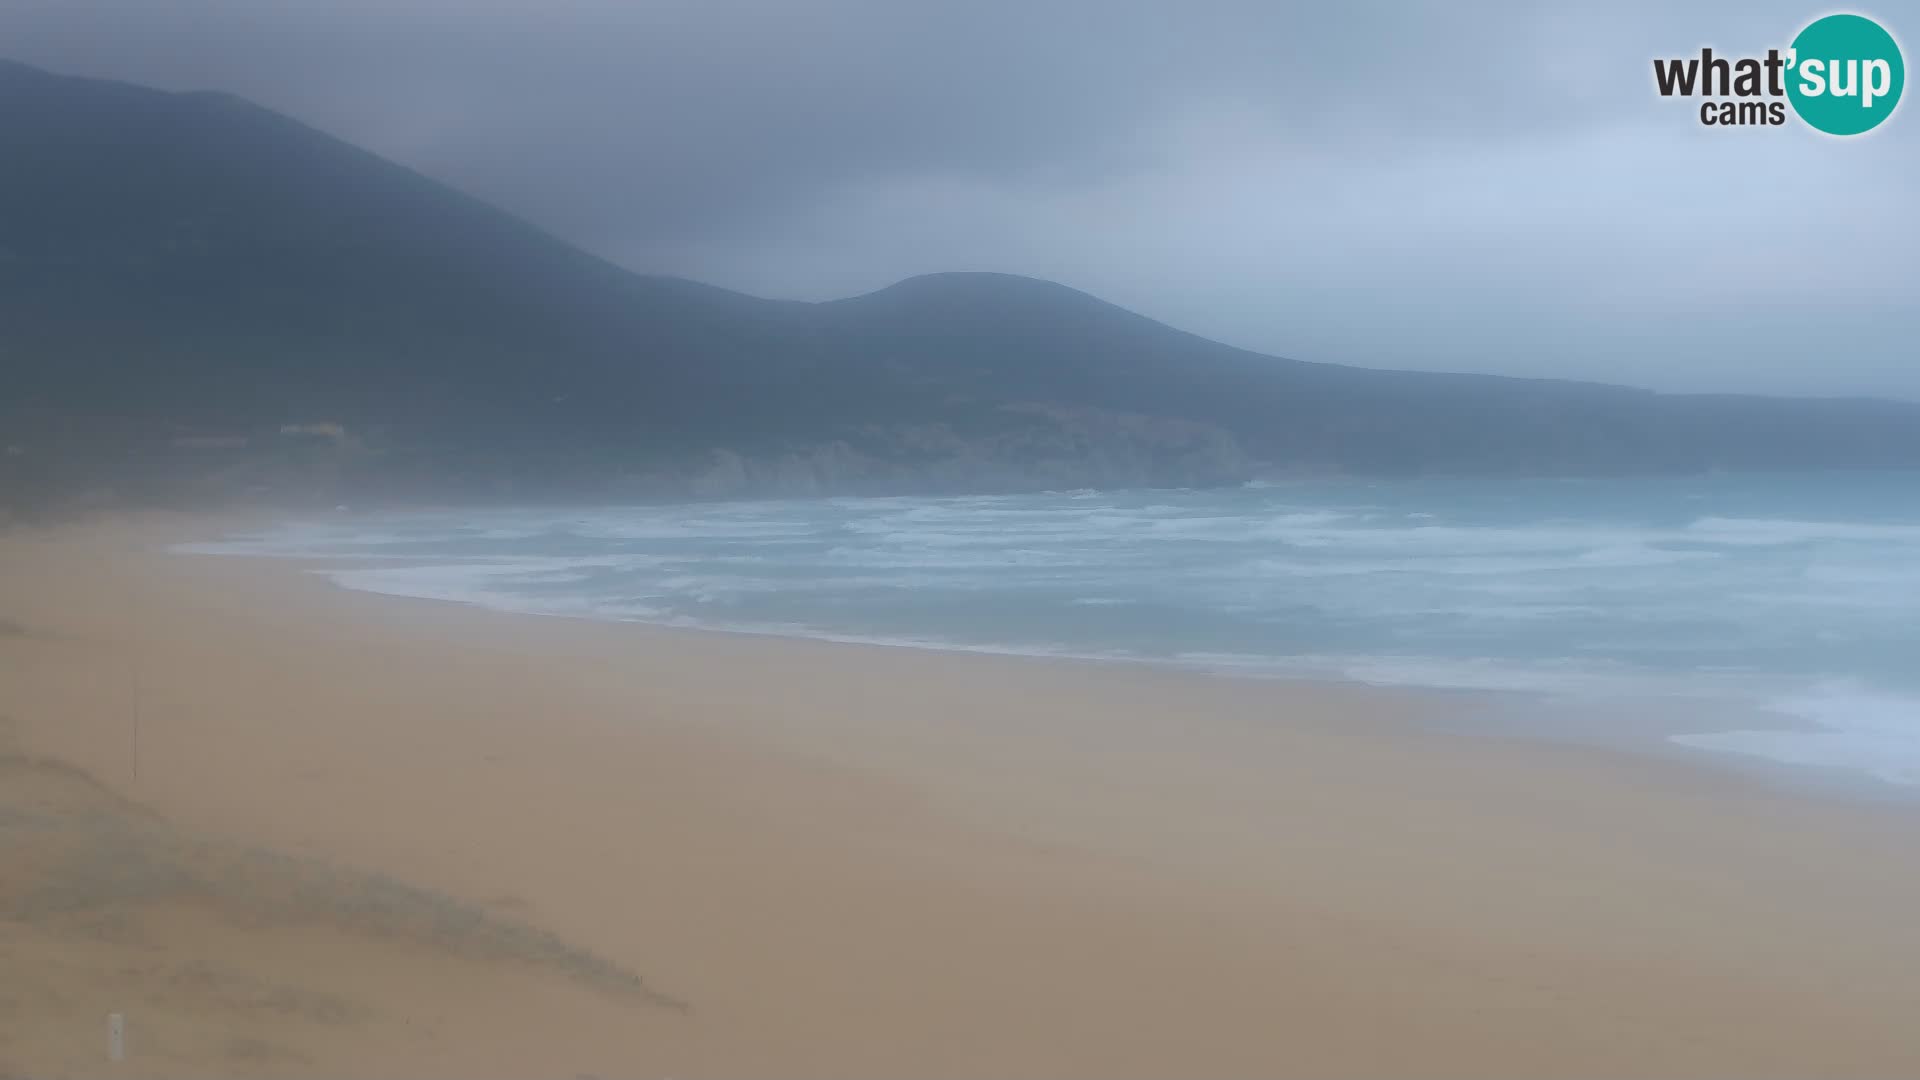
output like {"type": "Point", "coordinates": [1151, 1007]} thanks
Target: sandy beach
{"type": "Point", "coordinates": [292, 830]}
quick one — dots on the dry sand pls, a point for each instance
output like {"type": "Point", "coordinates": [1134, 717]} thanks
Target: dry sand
{"type": "Point", "coordinates": [292, 830]}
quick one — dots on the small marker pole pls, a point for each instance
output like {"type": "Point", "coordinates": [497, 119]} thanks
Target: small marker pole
{"type": "Point", "coordinates": [136, 726]}
{"type": "Point", "coordinates": [116, 1037]}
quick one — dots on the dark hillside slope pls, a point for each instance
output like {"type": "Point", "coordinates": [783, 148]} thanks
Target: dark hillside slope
{"type": "Point", "coordinates": [193, 252]}
{"type": "Point", "coordinates": [1000, 336]}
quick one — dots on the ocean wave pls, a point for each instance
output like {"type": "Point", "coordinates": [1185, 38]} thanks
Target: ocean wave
{"type": "Point", "coordinates": [1770, 531]}
{"type": "Point", "coordinates": [1618, 556]}
{"type": "Point", "coordinates": [499, 586]}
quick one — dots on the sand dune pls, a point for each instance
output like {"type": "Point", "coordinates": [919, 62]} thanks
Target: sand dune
{"type": "Point", "coordinates": [233, 959]}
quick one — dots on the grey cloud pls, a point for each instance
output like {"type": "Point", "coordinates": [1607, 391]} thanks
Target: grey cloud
{"type": "Point", "coordinates": [1490, 187]}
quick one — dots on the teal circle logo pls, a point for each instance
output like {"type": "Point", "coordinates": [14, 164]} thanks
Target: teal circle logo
{"type": "Point", "coordinates": [1845, 74]}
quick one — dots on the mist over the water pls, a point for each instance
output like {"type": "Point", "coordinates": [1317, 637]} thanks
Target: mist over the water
{"type": "Point", "coordinates": [1793, 594]}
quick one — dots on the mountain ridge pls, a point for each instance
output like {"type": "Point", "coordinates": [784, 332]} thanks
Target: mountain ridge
{"type": "Point", "coordinates": [178, 264]}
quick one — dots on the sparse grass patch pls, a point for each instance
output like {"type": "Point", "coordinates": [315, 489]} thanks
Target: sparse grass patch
{"type": "Point", "coordinates": [83, 861]}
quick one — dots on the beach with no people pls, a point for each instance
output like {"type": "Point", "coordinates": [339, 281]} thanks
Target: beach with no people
{"type": "Point", "coordinates": [286, 829]}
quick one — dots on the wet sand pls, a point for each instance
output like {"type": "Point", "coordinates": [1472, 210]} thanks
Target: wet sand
{"type": "Point", "coordinates": [293, 830]}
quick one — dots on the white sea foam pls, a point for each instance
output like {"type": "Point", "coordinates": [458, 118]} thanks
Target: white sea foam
{"type": "Point", "coordinates": [950, 559]}
{"type": "Point", "coordinates": [1845, 727]}
{"type": "Point", "coordinates": [1768, 531]}
{"type": "Point", "coordinates": [499, 586]}
{"type": "Point", "coordinates": [1486, 673]}
{"type": "Point", "coordinates": [1491, 564]}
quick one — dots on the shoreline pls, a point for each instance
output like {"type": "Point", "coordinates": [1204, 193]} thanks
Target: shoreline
{"type": "Point", "coordinates": [1652, 727]}
{"type": "Point", "coordinates": [865, 860]}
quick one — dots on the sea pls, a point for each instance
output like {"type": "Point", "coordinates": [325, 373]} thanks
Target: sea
{"type": "Point", "coordinates": [1766, 619]}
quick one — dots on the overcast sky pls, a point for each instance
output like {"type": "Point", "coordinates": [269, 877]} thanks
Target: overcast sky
{"type": "Point", "coordinates": [1479, 186]}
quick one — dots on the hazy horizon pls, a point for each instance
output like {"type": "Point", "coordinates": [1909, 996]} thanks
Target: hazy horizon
{"type": "Point", "coordinates": [1499, 190]}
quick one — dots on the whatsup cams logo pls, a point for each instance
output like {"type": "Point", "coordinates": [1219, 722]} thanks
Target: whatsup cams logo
{"type": "Point", "coordinates": [1842, 75]}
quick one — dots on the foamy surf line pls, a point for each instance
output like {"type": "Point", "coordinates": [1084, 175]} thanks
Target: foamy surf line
{"type": "Point", "coordinates": [1675, 600]}
{"type": "Point", "coordinates": [1852, 731]}
{"type": "Point", "coordinates": [486, 584]}
{"type": "Point", "coordinates": [1845, 728]}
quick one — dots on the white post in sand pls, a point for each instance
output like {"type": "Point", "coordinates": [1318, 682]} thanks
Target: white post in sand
{"type": "Point", "coordinates": [116, 1037]}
